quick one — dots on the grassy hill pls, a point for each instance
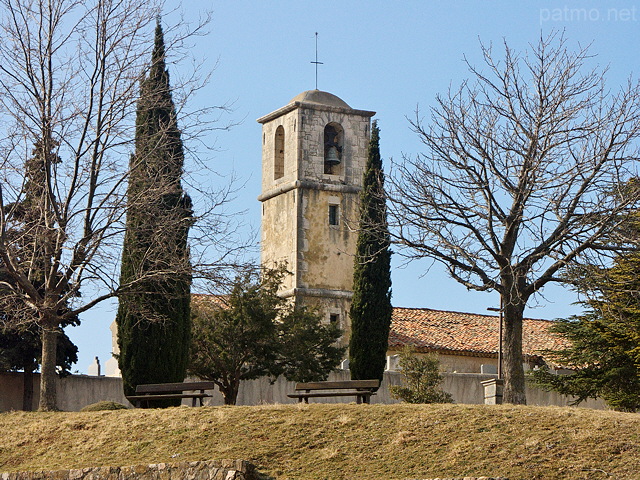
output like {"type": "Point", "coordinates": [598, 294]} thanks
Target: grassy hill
{"type": "Point", "coordinates": [338, 441]}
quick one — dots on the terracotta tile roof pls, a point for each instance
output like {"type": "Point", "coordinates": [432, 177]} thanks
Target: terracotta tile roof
{"type": "Point", "coordinates": [455, 333]}
{"type": "Point", "coordinates": [208, 300]}
{"type": "Point", "coordinates": [463, 333]}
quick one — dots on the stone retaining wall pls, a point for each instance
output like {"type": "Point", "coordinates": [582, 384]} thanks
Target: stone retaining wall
{"type": "Point", "coordinates": [469, 478]}
{"type": "Point", "coordinates": [207, 470]}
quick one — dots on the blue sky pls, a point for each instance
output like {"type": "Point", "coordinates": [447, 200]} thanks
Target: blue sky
{"type": "Point", "coordinates": [386, 56]}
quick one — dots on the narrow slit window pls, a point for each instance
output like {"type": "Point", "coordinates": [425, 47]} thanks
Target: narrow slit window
{"type": "Point", "coordinates": [334, 213]}
{"type": "Point", "coordinates": [278, 164]}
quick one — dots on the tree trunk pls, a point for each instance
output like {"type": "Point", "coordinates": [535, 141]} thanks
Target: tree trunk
{"type": "Point", "coordinates": [230, 392]}
{"type": "Point", "coordinates": [27, 389]}
{"type": "Point", "coordinates": [48, 396]}
{"type": "Point", "coordinates": [514, 383]}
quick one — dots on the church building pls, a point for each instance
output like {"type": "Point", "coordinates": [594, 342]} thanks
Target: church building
{"type": "Point", "coordinates": [314, 151]}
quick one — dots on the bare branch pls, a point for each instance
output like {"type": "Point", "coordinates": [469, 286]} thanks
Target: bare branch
{"type": "Point", "coordinates": [527, 170]}
{"type": "Point", "coordinates": [70, 72]}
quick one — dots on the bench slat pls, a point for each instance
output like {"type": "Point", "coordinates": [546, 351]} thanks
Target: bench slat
{"type": "Point", "coordinates": [174, 387]}
{"type": "Point", "coordinates": [361, 389]}
{"type": "Point", "coordinates": [330, 394]}
{"type": "Point", "coordinates": [338, 385]}
{"type": "Point", "coordinates": [168, 396]}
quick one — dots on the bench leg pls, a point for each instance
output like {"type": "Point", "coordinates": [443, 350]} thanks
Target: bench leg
{"type": "Point", "coordinates": [363, 398]}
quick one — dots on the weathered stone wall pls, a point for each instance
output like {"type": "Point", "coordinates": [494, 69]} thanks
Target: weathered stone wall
{"type": "Point", "coordinates": [314, 119]}
{"type": "Point", "coordinates": [279, 205]}
{"type": "Point", "coordinates": [296, 197]}
{"type": "Point", "coordinates": [338, 305]}
{"type": "Point", "coordinates": [325, 252]}
{"type": "Point", "coordinates": [208, 470]}
{"type": "Point", "coordinates": [76, 392]}
{"type": "Point", "coordinates": [278, 234]}
{"type": "Point", "coordinates": [289, 121]}
{"type": "Point", "coordinates": [465, 388]}
{"type": "Point", "coordinates": [464, 363]}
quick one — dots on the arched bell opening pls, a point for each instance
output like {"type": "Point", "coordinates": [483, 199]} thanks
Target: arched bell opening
{"type": "Point", "coordinates": [333, 145]}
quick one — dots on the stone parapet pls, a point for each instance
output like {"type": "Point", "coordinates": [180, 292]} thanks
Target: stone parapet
{"type": "Point", "coordinates": [206, 470]}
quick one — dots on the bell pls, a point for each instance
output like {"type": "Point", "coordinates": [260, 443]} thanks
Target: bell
{"type": "Point", "coordinates": [332, 156]}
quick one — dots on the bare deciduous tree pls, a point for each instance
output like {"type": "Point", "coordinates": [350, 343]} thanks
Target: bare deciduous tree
{"type": "Point", "coordinates": [526, 171]}
{"type": "Point", "coordinates": [69, 79]}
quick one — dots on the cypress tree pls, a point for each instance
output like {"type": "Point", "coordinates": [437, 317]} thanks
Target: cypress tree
{"type": "Point", "coordinates": [371, 305]}
{"type": "Point", "coordinates": [153, 319]}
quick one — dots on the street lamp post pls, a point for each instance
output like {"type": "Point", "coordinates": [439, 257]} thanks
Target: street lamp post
{"type": "Point", "coordinates": [493, 309]}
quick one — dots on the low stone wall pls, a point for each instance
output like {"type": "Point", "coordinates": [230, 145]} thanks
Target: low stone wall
{"type": "Point", "coordinates": [464, 388]}
{"type": "Point", "coordinates": [77, 391]}
{"type": "Point", "coordinates": [208, 470]}
{"type": "Point", "coordinates": [74, 391]}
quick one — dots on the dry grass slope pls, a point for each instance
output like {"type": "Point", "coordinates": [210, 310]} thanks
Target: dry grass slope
{"type": "Point", "coordinates": [338, 441]}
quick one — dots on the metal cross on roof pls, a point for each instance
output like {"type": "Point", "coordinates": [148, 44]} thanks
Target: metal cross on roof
{"type": "Point", "coordinates": [317, 62]}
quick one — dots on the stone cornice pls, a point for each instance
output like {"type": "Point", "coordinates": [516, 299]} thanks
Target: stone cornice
{"type": "Point", "coordinates": [313, 106]}
{"type": "Point", "coordinates": [317, 292]}
{"type": "Point", "coordinates": [309, 185]}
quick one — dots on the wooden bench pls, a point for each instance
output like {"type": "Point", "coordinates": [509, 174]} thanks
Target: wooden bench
{"type": "Point", "coordinates": [361, 389]}
{"type": "Point", "coordinates": [170, 391]}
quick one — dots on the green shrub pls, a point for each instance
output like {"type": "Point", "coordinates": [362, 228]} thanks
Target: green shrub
{"type": "Point", "coordinates": [421, 379]}
{"type": "Point", "coordinates": [104, 405]}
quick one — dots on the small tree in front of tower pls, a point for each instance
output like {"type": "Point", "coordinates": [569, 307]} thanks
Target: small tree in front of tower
{"type": "Point", "coordinates": [254, 332]}
{"type": "Point", "coordinates": [371, 306]}
{"type": "Point", "coordinates": [154, 319]}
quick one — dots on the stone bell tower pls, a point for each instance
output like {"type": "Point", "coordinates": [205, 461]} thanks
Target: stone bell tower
{"type": "Point", "coordinates": [314, 151]}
